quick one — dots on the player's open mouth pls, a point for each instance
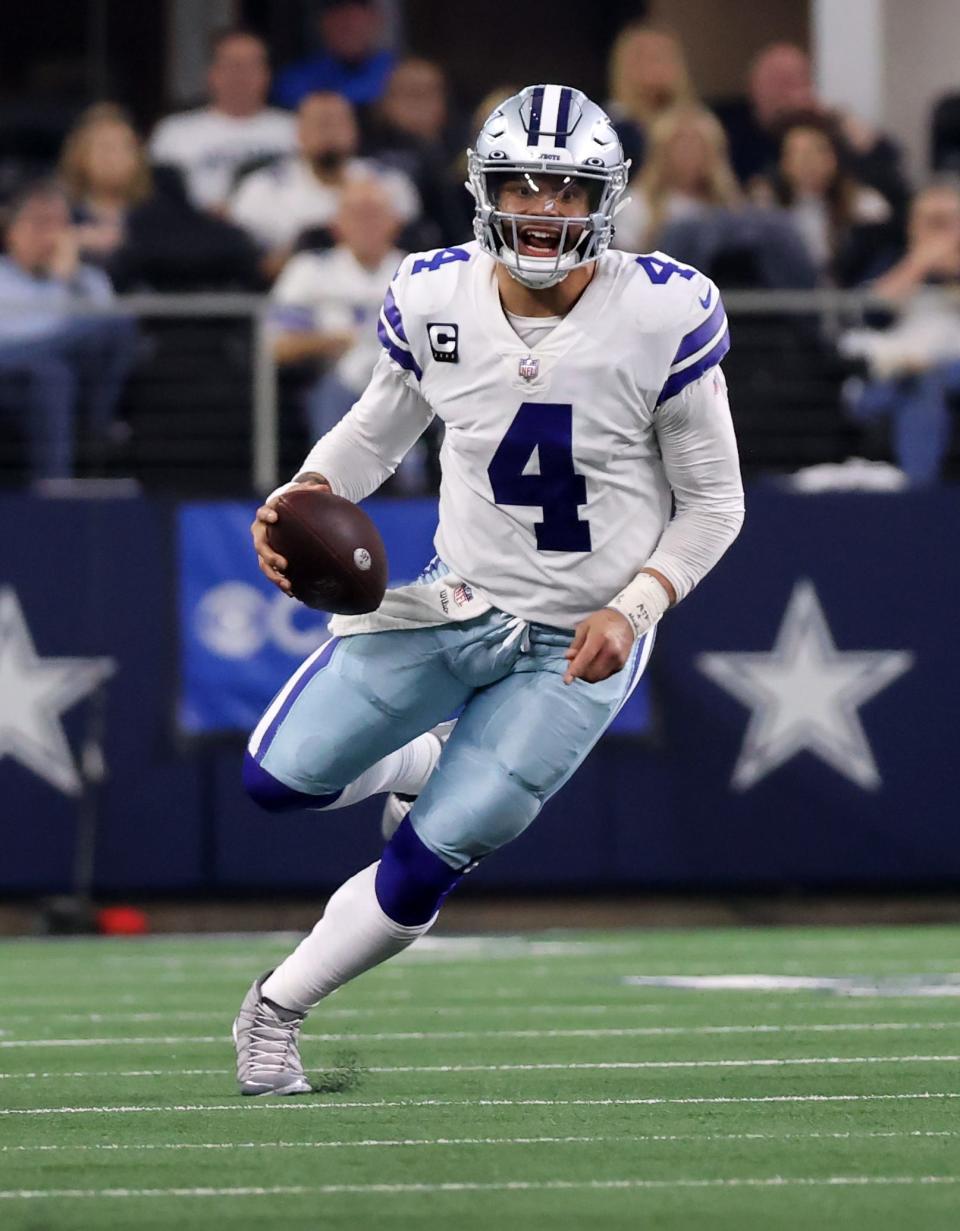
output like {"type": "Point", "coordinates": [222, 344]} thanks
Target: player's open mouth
{"type": "Point", "coordinates": [543, 238]}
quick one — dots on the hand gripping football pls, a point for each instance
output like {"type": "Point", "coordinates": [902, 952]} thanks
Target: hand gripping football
{"type": "Point", "coordinates": [336, 560]}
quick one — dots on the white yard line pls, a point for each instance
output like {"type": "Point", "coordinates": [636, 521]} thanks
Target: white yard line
{"type": "Point", "coordinates": [331, 1190]}
{"type": "Point", "coordinates": [763, 1062]}
{"type": "Point", "coordinates": [599, 1032]}
{"type": "Point", "coordinates": [323, 1107]}
{"type": "Point", "coordinates": [225, 1015]}
{"type": "Point", "coordinates": [661, 1064]}
{"type": "Point", "coordinates": [389, 1142]}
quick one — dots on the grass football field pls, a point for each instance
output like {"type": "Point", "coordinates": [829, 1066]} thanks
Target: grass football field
{"type": "Point", "coordinates": [493, 1083]}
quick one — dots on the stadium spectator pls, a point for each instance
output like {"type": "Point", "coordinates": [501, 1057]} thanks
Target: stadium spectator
{"type": "Point", "coordinates": [53, 363]}
{"type": "Point", "coordinates": [211, 144]}
{"type": "Point", "coordinates": [326, 305]}
{"type": "Point", "coordinates": [410, 131]}
{"type": "Point", "coordinates": [647, 75]}
{"type": "Point", "coordinates": [279, 203]}
{"type": "Point", "coordinates": [352, 63]}
{"type": "Point", "coordinates": [415, 104]}
{"type": "Point", "coordinates": [137, 224]}
{"type": "Point", "coordinates": [686, 175]}
{"type": "Point", "coordinates": [845, 226]}
{"type": "Point", "coordinates": [780, 85]}
{"type": "Point", "coordinates": [914, 366]}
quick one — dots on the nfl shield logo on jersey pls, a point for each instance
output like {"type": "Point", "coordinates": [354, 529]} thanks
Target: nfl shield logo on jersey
{"type": "Point", "coordinates": [529, 367]}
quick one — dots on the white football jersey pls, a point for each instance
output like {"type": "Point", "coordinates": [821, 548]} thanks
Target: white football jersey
{"type": "Point", "coordinates": [553, 494]}
{"type": "Point", "coordinates": [209, 147]}
{"type": "Point", "coordinates": [278, 203]}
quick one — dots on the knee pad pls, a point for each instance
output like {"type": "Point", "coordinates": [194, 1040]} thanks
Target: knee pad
{"type": "Point", "coordinates": [493, 806]}
{"type": "Point", "coordinates": [275, 796]}
{"type": "Point", "coordinates": [411, 880]}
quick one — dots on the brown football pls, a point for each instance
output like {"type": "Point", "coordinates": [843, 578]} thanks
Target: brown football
{"type": "Point", "coordinates": [336, 560]}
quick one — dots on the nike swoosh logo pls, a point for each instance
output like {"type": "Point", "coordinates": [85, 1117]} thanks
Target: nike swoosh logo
{"type": "Point", "coordinates": [705, 301]}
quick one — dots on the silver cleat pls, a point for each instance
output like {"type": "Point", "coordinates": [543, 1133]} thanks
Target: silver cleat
{"type": "Point", "coordinates": [267, 1043]}
{"type": "Point", "coordinates": [398, 806]}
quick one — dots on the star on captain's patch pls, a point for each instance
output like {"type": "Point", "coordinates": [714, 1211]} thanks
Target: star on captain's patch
{"type": "Point", "coordinates": [34, 693]}
{"type": "Point", "coordinates": [805, 695]}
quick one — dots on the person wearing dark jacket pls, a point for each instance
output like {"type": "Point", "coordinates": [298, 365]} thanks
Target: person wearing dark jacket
{"type": "Point", "coordinates": [781, 85]}
{"type": "Point", "coordinates": [136, 222]}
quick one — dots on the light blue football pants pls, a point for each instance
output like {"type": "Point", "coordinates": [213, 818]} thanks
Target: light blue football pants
{"type": "Point", "coordinates": [521, 734]}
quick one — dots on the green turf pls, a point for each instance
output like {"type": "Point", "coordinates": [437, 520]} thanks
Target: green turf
{"type": "Point", "coordinates": [466, 1088]}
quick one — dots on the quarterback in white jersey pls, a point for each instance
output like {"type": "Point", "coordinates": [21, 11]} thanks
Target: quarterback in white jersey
{"type": "Point", "coordinates": [589, 480]}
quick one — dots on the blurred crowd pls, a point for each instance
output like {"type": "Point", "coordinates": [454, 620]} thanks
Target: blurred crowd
{"type": "Point", "coordinates": [311, 182]}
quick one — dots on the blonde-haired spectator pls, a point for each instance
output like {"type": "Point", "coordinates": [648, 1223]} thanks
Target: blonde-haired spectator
{"type": "Point", "coordinates": [648, 74]}
{"type": "Point", "coordinates": [135, 222]}
{"type": "Point", "coordinates": [105, 172]}
{"type": "Point", "coordinates": [687, 174]}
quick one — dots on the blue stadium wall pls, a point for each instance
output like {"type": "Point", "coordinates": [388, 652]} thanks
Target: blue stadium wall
{"type": "Point", "coordinates": [799, 727]}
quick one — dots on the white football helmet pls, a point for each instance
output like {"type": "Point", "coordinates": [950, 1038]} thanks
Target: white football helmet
{"type": "Point", "coordinates": [549, 135]}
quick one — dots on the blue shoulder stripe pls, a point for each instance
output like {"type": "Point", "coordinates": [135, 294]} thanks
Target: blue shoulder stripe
{"type": "Point", "coordinates": [393, 315]}
{"type": "Point", "coordinates": [403, 357]}
{"type": "Point", "coordinates": [699, 337]}
{"type": "Point", "coordinates": [679, 380]}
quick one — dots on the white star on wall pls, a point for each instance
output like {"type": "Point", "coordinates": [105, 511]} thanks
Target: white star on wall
{"type": "Point", "coordinates": [34, 693]}
{"type": "Point", "coordinates": [805, 695]}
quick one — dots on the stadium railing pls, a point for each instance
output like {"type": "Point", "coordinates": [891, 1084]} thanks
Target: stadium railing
{"type": "Point", "coordinates": [209, 413]}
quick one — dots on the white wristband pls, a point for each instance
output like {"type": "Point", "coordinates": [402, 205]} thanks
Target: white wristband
{"type": "Point", "coordinates": [643, 602]}
{"type": "Point", "coordinates": [286, 487]}
{"type": "Point", "coordinates": [279, 491]}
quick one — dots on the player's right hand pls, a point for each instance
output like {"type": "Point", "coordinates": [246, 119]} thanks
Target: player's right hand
{"type": "Point", "coordinates": [273, 565]}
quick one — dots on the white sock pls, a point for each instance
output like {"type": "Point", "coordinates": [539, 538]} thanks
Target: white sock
{"type": "Point", "coordinates": [353, 935]}
{"type": "Point", "coordinates": [405, 770]}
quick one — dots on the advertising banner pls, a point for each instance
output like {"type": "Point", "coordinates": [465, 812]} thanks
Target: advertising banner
{"type": "Point", "coordinates": [806, 705]}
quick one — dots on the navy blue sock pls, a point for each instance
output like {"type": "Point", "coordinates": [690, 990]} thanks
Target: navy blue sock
{"type": "Point", "coordinates": [411, 880]}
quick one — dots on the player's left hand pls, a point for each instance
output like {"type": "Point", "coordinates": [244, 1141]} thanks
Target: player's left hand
{"type": "Point", "coordinates": [600, 648]}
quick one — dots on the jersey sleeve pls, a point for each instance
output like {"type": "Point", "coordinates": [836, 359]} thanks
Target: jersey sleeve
{"type": "Point", "coordinates": [391, 331]}
{"type": "Point", "coordinates": [699, 450]}
{"type": "Point", "coordinates": [369, 442]}
{"type": "Point", "coordinates": [702, 344]}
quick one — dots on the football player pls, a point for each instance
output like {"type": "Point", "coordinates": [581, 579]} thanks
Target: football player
{"type": "Point", "coordinates": [589, 481]}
